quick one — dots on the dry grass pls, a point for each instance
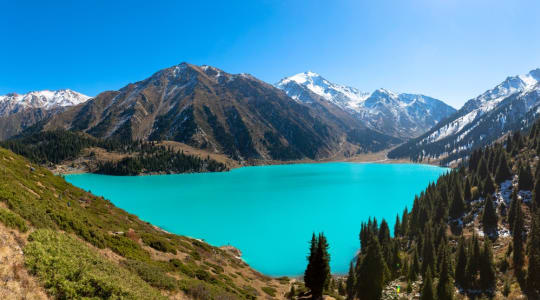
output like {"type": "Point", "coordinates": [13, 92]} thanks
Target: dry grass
{"type": "Point", "coordinates": [15, 282]}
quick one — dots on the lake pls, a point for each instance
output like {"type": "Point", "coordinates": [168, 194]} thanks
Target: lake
{"type": "Point", "coordinates": [270, 212]}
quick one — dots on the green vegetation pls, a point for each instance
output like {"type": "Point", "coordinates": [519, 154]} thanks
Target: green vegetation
{"type": "Point", "coordinates": [12, 220]}
{"type": "Point", "coordinates": [269, 290]}
{"type": "Point", "coordinates": [317, 274]}
{"type": "Point", "coordinates": [70, 269]}
{"type": "Point", "coordinates": [76, 234]}
{"type": "Point", "coordinates": [142, 157]}
{"type": "Point", "coordinates": [437, 239]}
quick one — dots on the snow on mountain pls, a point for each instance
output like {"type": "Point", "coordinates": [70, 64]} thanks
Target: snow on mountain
{"type": "Point", "coordinates": [489, 100]}
{"type": "Point", "coordinates": [13, 103]}
{"type": "Point", "coordinates": [400, 115]}
{"type": "Point", "coordinates": [511, 105]}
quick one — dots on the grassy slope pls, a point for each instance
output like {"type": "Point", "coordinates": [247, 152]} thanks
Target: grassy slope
{"type": "Point", "coordinates": [80, 244]}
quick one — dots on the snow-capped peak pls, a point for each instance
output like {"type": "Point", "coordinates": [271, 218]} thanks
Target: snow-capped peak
{"type": "Point", "coordinates": [343, 96]}
{"type": "Point", "coordinates": [402, 115]}
{"type": "Point", "coordinates": [46, 99]}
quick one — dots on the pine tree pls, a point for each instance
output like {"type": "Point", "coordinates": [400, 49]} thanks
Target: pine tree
{"type": "Point", "coordinates": [482, 169]}
{"type": "Point", "coordinates": [514, 203]}
{"type": "Point", "coordinates": [458, 206]}
{"type": "Point", "coordinates": [427, 287]}
{"type": "Point", "coordinates": [373, 273]}
{"type": "Point", "coordinates": [397, 227]}
{"type": "Point", "coordinates": [461, 264]}
{"type": "Point", "coordinates": [525, 179]}
{"type": "Point", "coordinates": [503, 171]}
{"type": "Point", "coordinates": [414, 269]}
{"type": "Point", "coordinates": [467, 191]}
{"type": "Point", "coordinates": [445, 289]}
{"type": "Point", "coordinates": [536, 194]}
{"type": "Point", "coordinates": [428, 252]}
{"type": "Point", "coordinates": [489, 186]}
{"type": "Point", "coordinates": [533, 269]}
{"type": "Point", "coordinates": [487, 271]}
{"type": "Point", "coordinates": [489, 217]}
{"type": "Point", "coordinates": [351, 282]}
{"type": "Point", "coordinates": [517, 242]}
{"type": "Point", "coordinates": [310, 270]}
{"type": "Point", "coordinates": [405, 222]}
{"type": "Point", "coordinates": [473, 263]}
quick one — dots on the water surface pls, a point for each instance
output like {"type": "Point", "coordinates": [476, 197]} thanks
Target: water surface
{"type": "Point", "coordinates": [270, 212]}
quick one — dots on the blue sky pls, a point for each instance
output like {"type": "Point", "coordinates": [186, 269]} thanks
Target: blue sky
{"type": "Point", "coordinates": [449, 49]}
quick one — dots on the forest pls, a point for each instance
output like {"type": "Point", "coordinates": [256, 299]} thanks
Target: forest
{"type": "Point", "coordinates": [54, 147]}
{"type": "Point", "coordinates": [474, 233]}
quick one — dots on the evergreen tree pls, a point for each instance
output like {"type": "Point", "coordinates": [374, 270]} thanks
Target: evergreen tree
{"type": "Point", "coordinates": [487, 271]}
{"type": "Point", "coordinates": [445, 289]}
{"type": "Point", "coordinates": [482, 169]}
{"type": "Point", "coordinates": [351, 282]}
{"type": "Point", "coordinates": [428, 252]}
{"type": "Point", "coordinates": [397, 227]}
{"type": "Point", "coordinates": [489, 217]}
{"type": "Point", "coordinates": [533, 269]}
{"type": "Point", "coordinates": [525, 179]}
{"type": "Point", "coordinates": [488, 187]}
{"type": "Point", "coordinates": [457, 208]}
{"type": "Point", "coordinates": [414, 269]}
{"type": "Point", "coordinates": [536, 194]}
{"type": "Point", "coordinates": [373, 273]}
{"type": "Point", "coordinates": [503, 171]}
{"type": "Point", "coordinates": [473, 263]}
{"type": "Point", "coordinates": [517, 241]}
{"type": "Point", "coordinates": [310, 270]}
{"type": "Point", "coordinates": [467, 191]}
{"type": "Point", "coordinates": [514, 203]}
{"type": "Point", "coordinates": [292, 292]}
{"type": "Point", "coordinates": [427, 287]}
{"type": "Point", "coordinates": [461, 264]}
{"type": "Point", "coordinates": [405, 222]}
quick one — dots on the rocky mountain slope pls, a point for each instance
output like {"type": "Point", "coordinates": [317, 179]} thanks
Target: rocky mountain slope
{"type": "Point", "coordinates": [399, 115]}
{"type": "Point", "coordinates": [58, 241]}
{"type": "Point", "coordinates": [511, 105]}
{"type": "Point", "coordinates": [234, 114]}
{"type": "Point", "coordinates": [20, 111]}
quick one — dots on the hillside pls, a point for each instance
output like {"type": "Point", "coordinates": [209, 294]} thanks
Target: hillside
{"type": "Point", "coordinates": [75, 244]}
{"type": "Point", "coordinates": [403, 116]}
{"type": "Point", "coordinates": [232, 114]}
{"type": "Point", "coordinates": [474, 233]}
{"type": "Point", "coordinates": [511, 105]}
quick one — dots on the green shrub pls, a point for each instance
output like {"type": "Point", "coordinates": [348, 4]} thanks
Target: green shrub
{"type": "Point", "coordinates": [152, 274]}
{"type": "Point", "coordinates": [12, 220]}
{"type": "Point", "coordinates": [269, 290]}
{"type": "Point", "coordinates": [70, 269]}
{"type": "Point", "coordinates": [158, 243]}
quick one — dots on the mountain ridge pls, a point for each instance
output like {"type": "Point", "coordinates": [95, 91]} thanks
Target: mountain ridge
{"type": "Point", "coordinates": [402, 115]}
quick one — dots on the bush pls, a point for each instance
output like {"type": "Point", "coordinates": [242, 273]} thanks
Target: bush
{"type": "Point", "coordinates": [152, 274]}
{"type": "Point", "coordinates": [12, 220]}
{"type": "Point", "coordinates": [269, 290]}
{"type": "Point", "coordinates": [69, 269]}
{"type": "Point", "coordinates": [158, 243]}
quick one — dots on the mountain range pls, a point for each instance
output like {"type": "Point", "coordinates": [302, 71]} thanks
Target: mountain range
{"type": "Point", "coordinates": [400, 115]}
{"type": "Point", "coordinates": [235, 114]}
{"type": "Point", "coordinates": [20, 111]}
{"type": "Point", "coordinates": [511, 105]}
{"type": "Point", "coordinates": [301, 116]}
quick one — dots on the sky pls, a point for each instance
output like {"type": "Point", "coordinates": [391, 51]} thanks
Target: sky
{"type": "Point", "coordinates": [449, 49]}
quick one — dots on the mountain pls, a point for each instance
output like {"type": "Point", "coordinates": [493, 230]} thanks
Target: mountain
{"type": "Point", "coordinates": [398, 115]}
{"type": "Point", "coordinates": [21, 111]}
{"type": "Point", "coordinates": [511, 105]}
{"type": "Point", "coordinates": [14, 103]}
{"type": "Point", "coordinates": [234, 114]}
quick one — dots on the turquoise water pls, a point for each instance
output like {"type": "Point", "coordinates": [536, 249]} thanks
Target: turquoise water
{"type": "Point", "coordinates": [270, 212]}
